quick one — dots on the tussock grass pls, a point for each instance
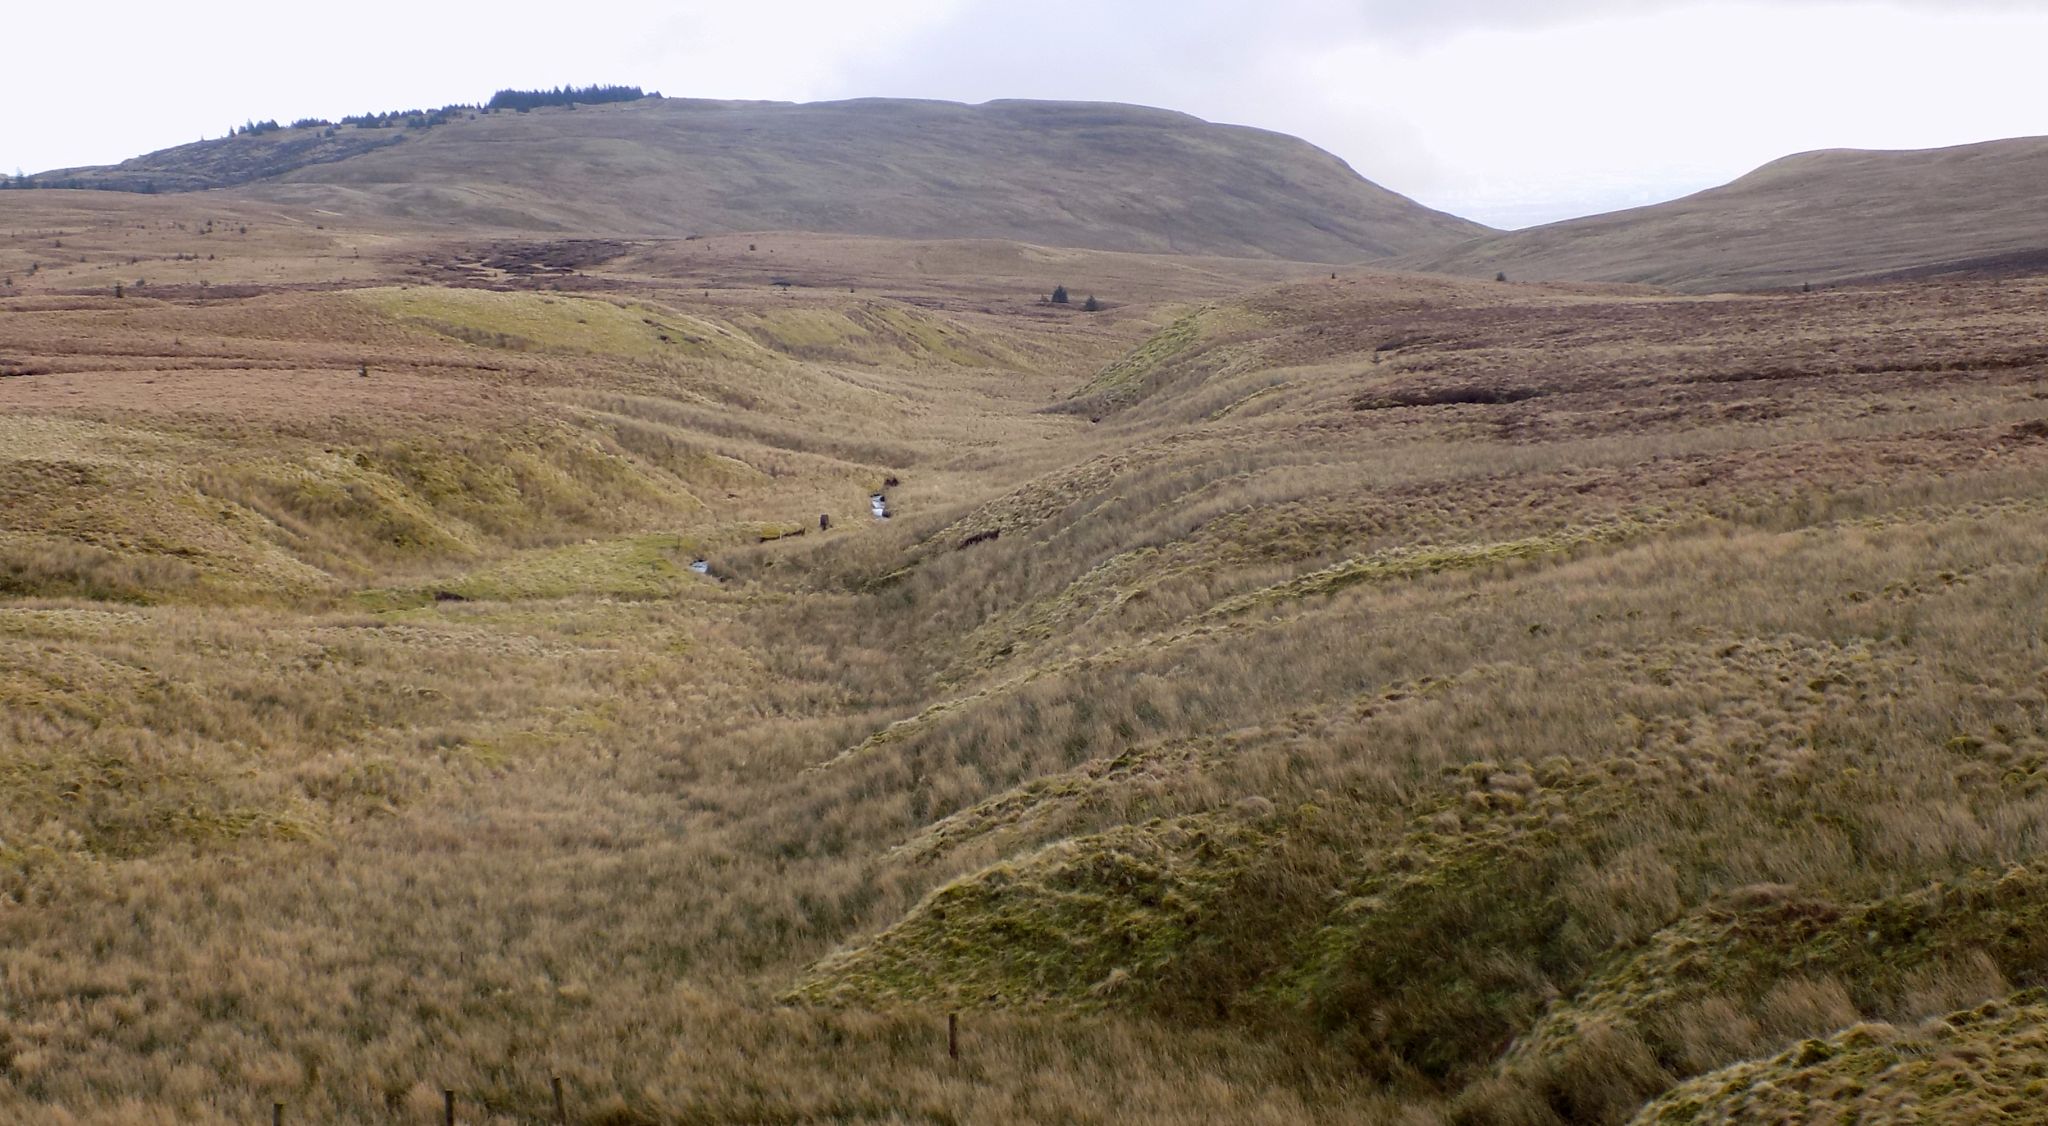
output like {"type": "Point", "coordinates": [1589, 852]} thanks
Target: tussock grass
{"type": "Point", "coordinates": [1496, 758]}
{"type": "Point", "coordinates": [1981, 1064]}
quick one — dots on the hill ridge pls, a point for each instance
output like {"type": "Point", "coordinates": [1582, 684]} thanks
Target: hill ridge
{"type": "Point", "coordinates": [1101, 175]}
{"type": "Point", "coordinates": [1822, 216]}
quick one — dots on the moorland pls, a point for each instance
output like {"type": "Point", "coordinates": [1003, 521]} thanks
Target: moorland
{"type": "Point", "coordinates": [1285, 694]}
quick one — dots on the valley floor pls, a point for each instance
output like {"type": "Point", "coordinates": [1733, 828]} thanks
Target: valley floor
{"type": "Point", "coordinates": [1370, 698]}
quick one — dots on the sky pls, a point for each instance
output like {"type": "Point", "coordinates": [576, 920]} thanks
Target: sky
{"type": "Point", "coordinates": [1512, 112]}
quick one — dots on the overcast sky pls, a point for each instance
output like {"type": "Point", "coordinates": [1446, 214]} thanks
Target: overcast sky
{"type": "Point", "coordinates": [1511, 112]}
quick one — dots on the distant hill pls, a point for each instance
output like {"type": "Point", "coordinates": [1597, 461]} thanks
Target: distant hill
{"type": "Point", "coordinates": [1109, 177]}
{"type": "Point", "coordinates": [1836, 215]}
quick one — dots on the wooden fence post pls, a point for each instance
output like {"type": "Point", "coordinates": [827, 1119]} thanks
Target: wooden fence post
{"type": "Point", "coordinates": [448, 1106]}
{"type": "Point", "coordinates": [561, 1105]}
{"type": "Point", "coordinates": [953, 1036]}
{"type": "Point", "coordinates": [276, 1114]}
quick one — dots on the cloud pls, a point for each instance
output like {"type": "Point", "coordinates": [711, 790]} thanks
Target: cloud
{"type": "Point", "coordinates": [1406, 21]}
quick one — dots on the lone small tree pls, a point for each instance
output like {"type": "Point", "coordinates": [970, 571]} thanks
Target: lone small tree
{"type": "Point", "coordinates": [1059, 295]}
{"type": "Point", "coordinates": [1501, 277]}
{"type": "Point", "coordinates": [1091, 305]}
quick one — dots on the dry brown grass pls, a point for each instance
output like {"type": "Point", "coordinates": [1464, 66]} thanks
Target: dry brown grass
{"type": "Point", "coordinates": [1328, 733]}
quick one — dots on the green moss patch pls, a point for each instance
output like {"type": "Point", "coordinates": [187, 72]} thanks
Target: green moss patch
{"type": "Point", "coordinates": [873, 332]}
{"type": "Point", "coordinates": [535, 322]}
{"type": "Point", "coordinates": [1744, 971]}
{"type": "Point", "coordinates": [649, 566]}
{"type": "Point", "coordinates": [1987, 1065]}
{"type": "Point", "coordinates": [1138, 371]}
{"type": "Point", "coordinates": [1073, 924]}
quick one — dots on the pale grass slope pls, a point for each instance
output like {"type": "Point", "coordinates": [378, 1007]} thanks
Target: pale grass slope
{"type": "Point", "coordinates": [1815, 218]}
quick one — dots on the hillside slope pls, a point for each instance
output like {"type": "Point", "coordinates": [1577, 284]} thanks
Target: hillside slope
{"type": "Point", "coordinates": [1109, 177]}
{"type": "Point", "coordinates": [1815, 217]}
{"type": "Point", "coordinates": [1369, 699]}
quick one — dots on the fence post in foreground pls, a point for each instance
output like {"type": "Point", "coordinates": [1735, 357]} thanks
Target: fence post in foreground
{"type": "Point", "coordinates": [953, 1036]}
{"type": "Point", "coordinates": [448, 1107]}
{"type": "Point", "coordinates": [561, 1106]}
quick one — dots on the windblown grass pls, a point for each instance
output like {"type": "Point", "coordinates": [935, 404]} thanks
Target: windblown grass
{"type": "Point", "coordinates": [1313, 738]}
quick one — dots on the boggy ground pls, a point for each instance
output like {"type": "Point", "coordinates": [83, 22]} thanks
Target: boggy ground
{"type": "Point", "coordinates": [1376, 698]}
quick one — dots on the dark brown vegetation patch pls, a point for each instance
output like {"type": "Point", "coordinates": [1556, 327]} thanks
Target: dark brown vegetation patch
{"type": "Point", "coordinates": [1445, 396]}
